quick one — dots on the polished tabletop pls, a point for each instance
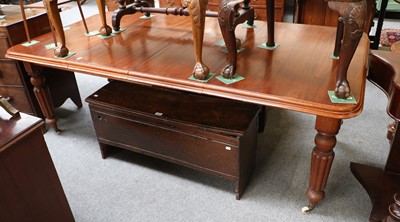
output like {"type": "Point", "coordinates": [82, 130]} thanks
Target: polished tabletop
{"type": "Point", "coordinates": [159, 51]}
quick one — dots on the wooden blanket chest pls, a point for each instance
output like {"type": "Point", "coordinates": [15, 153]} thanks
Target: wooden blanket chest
{"type": "Point", "coordinates": [210, 134]}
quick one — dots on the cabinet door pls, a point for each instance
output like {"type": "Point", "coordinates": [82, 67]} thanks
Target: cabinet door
{"type": "Point", "coordinates": [317, 12]}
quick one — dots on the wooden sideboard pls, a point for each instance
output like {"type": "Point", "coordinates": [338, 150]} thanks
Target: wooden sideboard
{"type": "Point", "coordinates": [382, 184]}
{"type": "Point", "coordinates": [14, 81]}
{"type": "Point", "coordinates": [260, 7]}
{"type": "Point", "coordinates": [30, 187]}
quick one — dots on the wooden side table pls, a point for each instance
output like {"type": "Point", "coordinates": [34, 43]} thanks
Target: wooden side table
{"type": "Point", "coordinates": [30, 187]}
{"type": "Point", "coordinates": [382, 184]}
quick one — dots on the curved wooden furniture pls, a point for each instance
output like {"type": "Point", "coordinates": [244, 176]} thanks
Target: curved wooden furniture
{"type": "Point", "coordinates": [382, 184]}
{"type": "Point", "coordinates": [159, 52]}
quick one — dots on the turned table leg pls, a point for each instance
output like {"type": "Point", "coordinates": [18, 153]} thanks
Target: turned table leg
{"type": "Point", "coordinates": [353, 14]}
{"type": "Point", "coordinates": [42, 94]}
{"type": "Point", "coordinates": [55, 19]}
{"type": "Point", "coordinates": [321, 159]}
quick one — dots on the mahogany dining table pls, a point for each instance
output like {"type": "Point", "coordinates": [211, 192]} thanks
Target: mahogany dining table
{"type": "Point", "coordinates": [158, 51]}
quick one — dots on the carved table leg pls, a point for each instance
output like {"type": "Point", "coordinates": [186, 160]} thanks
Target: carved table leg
{"type": "Point", "coordinates": [128, 10]}
{"type": "Point", "coordinates": [105, 30]}
{"type": "Point", "coordinates": [55, 20]}
{"type": "Point", "coordinates": [42, 94]}
{"type": "Point", "coordinates": [321, 158]}
{"type": "Point", "coordinates": [354, 15]}
{"type": "Point", "coordinates": [228, 18]}
{"type": "Point", "coordinates": [197, 13]}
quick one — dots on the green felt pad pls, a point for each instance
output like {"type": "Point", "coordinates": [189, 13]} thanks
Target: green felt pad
{"type": "Point", "coordinates": [237, 50]}
{"type": "Point", "coordinates": [116, 32]}
{"type": "Point", "coordinates": [247, 26]}
{"type": "Point", "coordinates": [113, 33]}
{"type": "Point", "coordinates": [92, 33]}
{"type": "Point", "coordinates": [51, 46]}
{"type": "Point", "coordinates": [66, 28]}
{"type": "Point", "coordinates": [147, 17]}
{"type": "Point", "coordinates": [264, 46]}
{"type": "Point", "coordinates": [68, 55]}
{"type": "Point", "coordinates": [32, 42]}
{"type": "Point", "coordinates": [334, 99]}
{"type": "Point", "coordinates": [107, 36]}
{"type": "Point", "coordinates": [210, 76]}
{"type": "Point", "coordinates": [220, 43]}
{"type": "Point", "coordinates": [236, 78]}
{"type": "Point", "coordinates": [334, 57]}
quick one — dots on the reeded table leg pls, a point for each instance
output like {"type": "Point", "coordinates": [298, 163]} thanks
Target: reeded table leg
{"type": "Point", "coordinates": [42, 94]}
{"type": "Point", "coordinates": [353, 13]}
{"type": "Point", "coordinates": [321, 159]}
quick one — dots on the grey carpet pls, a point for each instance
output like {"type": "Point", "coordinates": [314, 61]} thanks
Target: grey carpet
{"type": "Point", "coordinates": [133, 187]}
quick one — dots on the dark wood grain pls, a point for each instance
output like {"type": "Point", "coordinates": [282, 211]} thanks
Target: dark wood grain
{"type": "Point", "coordinates": [31, 190]}
{"type": "Point", "coordinates": [166, 124]}
{"type": "Point", "coordinates": [382, 184]}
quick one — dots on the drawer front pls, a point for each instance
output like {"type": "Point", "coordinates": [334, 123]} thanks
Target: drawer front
{"type": "Point", "coordinates": [9, 73]}
{"type": "Point", "coordinates": [261, 13]}
{"type": "Point", "coordinates": [17, 98]}
{"type": "Point", "coordinates": [174, 146]}
{"type": "Point", "coordinates": [3, 44]}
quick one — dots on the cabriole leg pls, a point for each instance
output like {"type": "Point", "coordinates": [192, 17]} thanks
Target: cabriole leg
{"type": "Point", "coordinates": [197, 12]}
{"type": "Point", "coordinates": [55, 20]}
{"type": "Point", "coordinates": [354, 16]}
